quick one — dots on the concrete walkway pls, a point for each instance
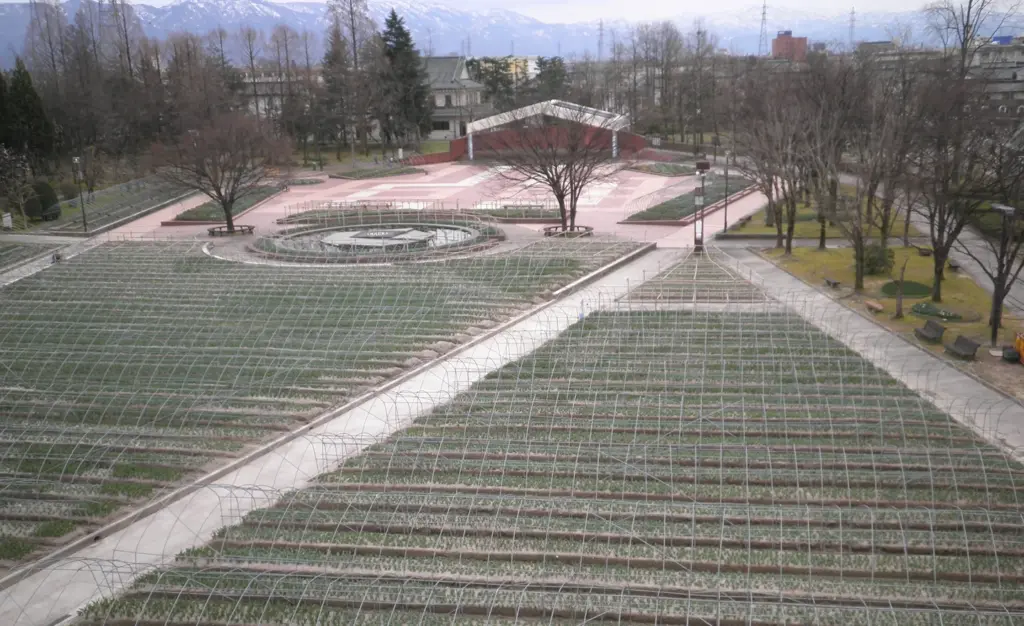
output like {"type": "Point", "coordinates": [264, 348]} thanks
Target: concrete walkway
{"type": "Point", "coordinates": [113, 561]}
{"type": "Point", "coordinates": [992, 415]}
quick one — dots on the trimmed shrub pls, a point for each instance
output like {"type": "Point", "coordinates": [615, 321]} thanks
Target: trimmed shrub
{"type": "Point", "coordinates": [33, 208]}
{"type": "Point", "coordinates": [878, 260]}
{"type": "Point", "coordinates": [47, 196]}
{"type": "Point", "coordinates": [68, 190]}
{"type": "Point", "coordinates": [911, 289]}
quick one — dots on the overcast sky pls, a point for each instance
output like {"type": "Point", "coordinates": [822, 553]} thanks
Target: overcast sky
{"type": "Point", "coordinates": [565, 11]}
{"type": "Point", "coordinates": [633, 10]}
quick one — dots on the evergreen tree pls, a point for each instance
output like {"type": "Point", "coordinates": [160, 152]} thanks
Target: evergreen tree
{"type": "Point", "coordinates": [405, 103]}
{"type": "Point", "coordinates": [552, 80]}
{"type": "Point", "coordinates": [495, 74]}
{"type": "Point", "coordinates": [30, 130]}
{"type": "Point", "coordinates": [336, 74]}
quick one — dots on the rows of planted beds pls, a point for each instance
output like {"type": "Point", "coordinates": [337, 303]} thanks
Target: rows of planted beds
{"type": "Point", "coordinates": [137, 365]}
{"type": "Point", "coordinates": [684, 205]}
{"type": "Point", "coordinates": [14, 252]}
{"type": "Point", "coordinates": [652, 467]}
{"type": "Point", "coordinates": [112, 204]}
{"type": "Point", "coordinates": [698, 278]}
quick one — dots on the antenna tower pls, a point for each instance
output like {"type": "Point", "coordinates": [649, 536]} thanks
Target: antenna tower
{"type": "Point", "coordinates": [853, 24]}
{"type": "Point", "coordinates": [762, 46]}
{"type": "Point", "coordinates": [600, 41]}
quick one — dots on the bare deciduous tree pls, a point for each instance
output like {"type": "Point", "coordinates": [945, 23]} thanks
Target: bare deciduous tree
{"type": "Point", "coordinates": [564, 148]}
{"type": "Point", "coordinates": [225, 159]}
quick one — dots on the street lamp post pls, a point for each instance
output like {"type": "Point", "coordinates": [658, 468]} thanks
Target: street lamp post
{"type": "Point", "coordinates": [726, 227]}
{"type": "Point", "coordinates": [698, 204]}
{"type": "Point", "coordinates": [76, 169]}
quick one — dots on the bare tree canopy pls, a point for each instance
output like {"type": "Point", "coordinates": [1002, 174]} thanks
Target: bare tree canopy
{"type": "Point", "coordinates": [565, 153]}
{"type": "Point", "coordinates": [226, 159]}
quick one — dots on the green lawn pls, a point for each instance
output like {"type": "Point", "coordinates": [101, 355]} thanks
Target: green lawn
{"type": "Point", "coordinates": [433, 146]}
{"type": "Point", "coordinates": [210, 211]}
{"type": "Point", "coordinates": [807, 226]}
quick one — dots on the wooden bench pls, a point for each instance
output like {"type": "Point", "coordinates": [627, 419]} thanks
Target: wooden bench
{"type": "Point", "coordinates": [834, 284]}
{"type": "Point", "coordinates": [873, 306]}
{"type": "Point", "coordinates": [932, 332]}
{"type": "Point", "coordinates": [954, 266]}
{"type": "Point", "coordinates": [222, 231]}
{"type": "Point", "coordinates": [924, 251]}
{"type": "Point", "coordinates": [963, 348]}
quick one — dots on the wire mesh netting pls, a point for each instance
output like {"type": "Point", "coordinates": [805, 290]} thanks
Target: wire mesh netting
{"type": "Point", "coordinates": [724, 464]}
{"type": "Point", "coordinates": [135, 367]}
{"type": "Point", "coordinates": [16, 252]}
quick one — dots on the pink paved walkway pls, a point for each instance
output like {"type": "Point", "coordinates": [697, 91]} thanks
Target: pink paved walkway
{"type": "Point", "coordinates": [460, 185]}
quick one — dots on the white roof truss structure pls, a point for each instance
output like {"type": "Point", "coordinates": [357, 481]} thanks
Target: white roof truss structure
{"type": "Point", "coordinates": [553, 108]}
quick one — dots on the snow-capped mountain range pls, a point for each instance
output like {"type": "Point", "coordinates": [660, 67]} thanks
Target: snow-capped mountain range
{"type": "Point", "coordinates": [441, 29]}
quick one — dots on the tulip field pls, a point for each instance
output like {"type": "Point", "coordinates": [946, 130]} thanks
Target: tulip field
{"type": "Point", "coordinates": [136, 366]}
{"type": "Point", "coordinates": [660, 466]}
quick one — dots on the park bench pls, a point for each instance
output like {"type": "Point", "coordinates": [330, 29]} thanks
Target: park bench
{"type": "Point", "coordinates": [222, 231]}
{"type": "Point", "coordinates": [932, 332]}
{"type": "Point", "coordinates": [834, 284]}
{"type": "Point", "coordinates": [963, 348]}
{"type": "Point", "coordinates": [954, 266]}
{"type": "Point", "coordinates": [873, 306]}
{"type": "Point", "coordinates": [924, 251]}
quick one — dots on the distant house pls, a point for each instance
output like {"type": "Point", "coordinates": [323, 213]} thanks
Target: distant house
{"type": "Point", "coordinates": [458, 100]}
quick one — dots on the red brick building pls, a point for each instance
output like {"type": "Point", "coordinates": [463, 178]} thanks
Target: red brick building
{"type": "Point", "coordinates": [786, 46]}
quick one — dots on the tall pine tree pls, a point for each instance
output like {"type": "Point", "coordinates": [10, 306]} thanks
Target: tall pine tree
{"type": "Point", "coordinates": [405, 104]}
{"type": "Point", "coordinates": [30, 130]}
{"type": "Point", "coordinates": [5, 116]}
{"type": "Point", "coordinates": [336, 73]}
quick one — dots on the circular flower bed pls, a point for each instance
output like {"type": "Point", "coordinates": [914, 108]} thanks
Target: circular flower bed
{"type": "Point", "coordinates": [911, 289]}
{"type": "Point", "coordinates": [374, 237]}
{"type": "Point", "coordinates": [927, 309]}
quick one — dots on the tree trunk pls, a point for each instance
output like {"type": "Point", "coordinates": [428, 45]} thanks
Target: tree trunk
{"type": "Point", "coordinates": [939, 267]}
{"type": "Point", "coordinates": [906, 228]}
{"type": "Point", "coordinates": [779, 235]}
{"type": "Point", "coordinates": [790, 221]}
{"type": "Point", "coordinates": [858, 264]}
{"type": "Point", "coordinates": [228, 217]}
{"type": "Point", "coordinates": [769, 214]}
{"type": "Point", "coordinates": [898, 315]}
{"type": "Point", "coordinates": [996, 316]}
{"type": "Point", "coordinates": [821, 230]}
{"type": "Point", "coordinates": [563, 214]}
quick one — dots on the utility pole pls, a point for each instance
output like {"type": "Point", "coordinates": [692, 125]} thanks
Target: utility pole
{"type": "Point", "coordinates": [762, 46]}
{"type": "Point", "coordinates": [600, 41]}
{"type": "Point", "coordinates": [853, 23]}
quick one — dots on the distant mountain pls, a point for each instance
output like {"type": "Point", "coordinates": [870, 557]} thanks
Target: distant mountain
{"type": "Point", "coordinates": [445, 30]}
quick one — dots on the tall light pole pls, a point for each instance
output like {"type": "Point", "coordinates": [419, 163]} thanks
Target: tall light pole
{"type": "Point", "coordinates": [76, 169]}
{"type": "Point", "coordinates": [726, 192]}
{"type": "Point", "coordinates": [698, 204]}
